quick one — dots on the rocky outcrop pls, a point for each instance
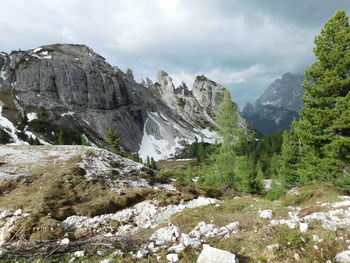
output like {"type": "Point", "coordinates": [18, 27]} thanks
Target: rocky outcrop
{"type": "Point", "coordinates": [276, 108]}
{"type": "Point", "coordinates": [77, 89]}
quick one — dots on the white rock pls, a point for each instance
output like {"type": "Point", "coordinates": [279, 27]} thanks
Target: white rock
{"type": "Point", "coordinates": [317, 239]}
{"type": "Point", "coordinates": [330, 225]}
{"type": "Point", "coordinates": [303, 227]}
{"type": "Point", "coordinates": [172, 257]}
{"type": "Point", "coordinates": [343, 257]}
{"type": "Point", "coordinates": [214, 255]}
{"type": "Point", "coordinates": [273, 247]}
{"type": "Point", "coordinates": [296, 257]}
{"type": "Point", "coordinates": [107, 260]}
{"type": "Point", "coordinates": [72, 259]}
{"type": "Point", "coordinates": [5, 233]}
{"type": "Point", "coordinates": [166, 234]}
{"type": "Point", "coordinates": [177, 248]}
{"type": "Point", "coordinates": [18, 212]}
{"type": "Point", "coordinates": [142, 253]}
{"type": "Point", "coordinates": [5, 213]}
{"type": "Point", "coordinates": [267, 214]}
{"type": "Point", "coordinates": [100, 253]}
{"type": "Point", "coordinates": [151, 245]}
{"type": "Point", "coordinates": [203, 230]}
{"type": "Point", "coordinates": [188, 241]}
{"type": "Point", "coordinates": [118, 252]}
{"type": "Point", "coordinates": [233, 227]}
{"type": "Point", "coordinates": [64, 241]}
{"type": "Point", "coordinates": [79, 254]}
{"type": "Point", "coordinates": [223, 231]}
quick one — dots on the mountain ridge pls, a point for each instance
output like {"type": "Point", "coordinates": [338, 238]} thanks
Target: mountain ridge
{"type": "Point", "coordinates": [78, 90]}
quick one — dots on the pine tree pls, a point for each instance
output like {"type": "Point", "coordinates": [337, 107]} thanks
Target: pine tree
{"type": "Point", "coordinates": [113, 140]}
{"type": "Point", "coordinates": [221, 174]}
{"type": "Point", "coordinates": [318, 147]}
{"type": "Point", "coordinates": [274, 165]}
{"type": "Point", "coordinates": [153, 164]}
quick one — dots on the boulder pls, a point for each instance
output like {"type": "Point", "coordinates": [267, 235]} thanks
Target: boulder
{"type": "Point", "coordinates": [330, 225]}
{"type": "Point", "coordinates": [267, 214]}
{"type": "Point", "coordinates": [214, 255]}
{"type": "Point", "coordinates": [203, 230]}
{"type": "Point", "coordinates": [79, 254]}
{"type": "Point", "coordinates": [142, 253]}
{"type": "Point", "coordinates": [172, 257]}
{"type": "Point", "coordinates": [165, 235]}
{"type": "Point", "coordinates": [303, 227]}
{"type": "Point", "coordinates": [343, 257]}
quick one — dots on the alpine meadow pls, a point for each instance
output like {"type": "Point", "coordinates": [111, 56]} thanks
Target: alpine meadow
{"type": "Point", "coordinates": [103, 163]}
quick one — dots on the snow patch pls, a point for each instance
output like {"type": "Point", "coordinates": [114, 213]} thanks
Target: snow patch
{"type": "Point", "coordinates": [37, 49]}
{"type": "Point", "coordinates": [33, 136]}
{"type": "Point", "coordinates": [162, 147]}
{"type": "Point", "coordinates": [168, 136]}
{"type": "Point", "coordinates": [10, 129]}
{"type": "Point", "coordinates": [69, 113]}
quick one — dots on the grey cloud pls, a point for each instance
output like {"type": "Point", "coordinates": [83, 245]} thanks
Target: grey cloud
{"type": "Point", "coordinates": [223, 39]}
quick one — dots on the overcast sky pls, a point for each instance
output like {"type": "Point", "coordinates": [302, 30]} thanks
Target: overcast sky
{"type": "Point", "coordinates": [242, 44]}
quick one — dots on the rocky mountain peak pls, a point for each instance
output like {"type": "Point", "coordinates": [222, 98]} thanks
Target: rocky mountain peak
{"type": "Point", "coordinates": [208, 93]}
{"type": "Point", "coordinates": [279, 104]}
{"type": "Point", "coordinates": [73, 88]}
{"type": "Point", "coordinates": [165, 82]}
{"type": "Point", "coordinates": [284, 93]}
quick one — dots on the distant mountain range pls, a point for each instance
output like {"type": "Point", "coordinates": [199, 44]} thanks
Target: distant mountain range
{"type": "Point", "coordinates": [276, 108]}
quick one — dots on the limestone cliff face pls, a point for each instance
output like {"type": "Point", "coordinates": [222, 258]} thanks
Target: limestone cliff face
{"type": "Point", "coordinates": [79, 90]}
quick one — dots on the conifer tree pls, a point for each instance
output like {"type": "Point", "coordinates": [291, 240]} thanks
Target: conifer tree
{"type": "Point", "coordinates": [113, 140]}
{"type": "Point", "coordinates": [221, 174]}
{"type": "Point", "coordinates": [153, 164]}
{"type": "Point", "coordinates": [318, 147]}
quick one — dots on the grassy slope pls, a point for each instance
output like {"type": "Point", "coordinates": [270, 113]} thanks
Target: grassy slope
{"type": "Point", "coordinates": [255, 232]}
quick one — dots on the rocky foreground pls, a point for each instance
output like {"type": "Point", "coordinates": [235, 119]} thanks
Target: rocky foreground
{"type": "Point", "coordinates": [83, 204]}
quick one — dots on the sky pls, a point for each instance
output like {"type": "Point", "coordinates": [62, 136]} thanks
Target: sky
{"type": "Point", "coordinates": [242, 44]}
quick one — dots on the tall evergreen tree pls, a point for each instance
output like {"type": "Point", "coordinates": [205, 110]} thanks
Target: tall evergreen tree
{"type": "Point", "coordinates": [221, 174]}
{"type": "Point", "coordinates": [318, 147]}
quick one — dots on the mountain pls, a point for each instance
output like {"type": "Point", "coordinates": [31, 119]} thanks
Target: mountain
{"type": "Point", "coordinates": [64, 92]}
{"type": "Point", "coordinates": [276, 108]}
